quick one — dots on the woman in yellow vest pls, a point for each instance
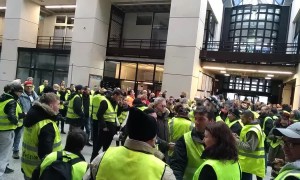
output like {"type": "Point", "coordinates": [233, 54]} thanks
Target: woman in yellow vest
{"type": "Point", "coordinates": [220, 154]}
{"type": "Point", "coordinates": [235, 123]}
{"type": "Point", "coordinates": [8, 123]}
{"type": "Point", "coordinates": [41, 134]}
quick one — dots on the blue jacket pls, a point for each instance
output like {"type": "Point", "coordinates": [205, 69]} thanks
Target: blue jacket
{"type": "Point", "coordinates": [25, 101]}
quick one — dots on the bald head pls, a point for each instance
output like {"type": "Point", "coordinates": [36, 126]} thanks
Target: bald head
{"type": "Point", "coordinates": [247, 117]}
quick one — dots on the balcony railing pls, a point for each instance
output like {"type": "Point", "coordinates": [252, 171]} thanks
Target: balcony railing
{"type": "Point", "coordinates": [248, 47]}
{"type": "Point", "coordinates": [51, 42]}
{"type": "Point", "coordinates": [137, 43]}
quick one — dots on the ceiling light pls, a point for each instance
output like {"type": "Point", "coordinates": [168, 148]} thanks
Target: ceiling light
{"type": "Point", "coordinates": [245, 70]}
{"type": "Point", "coordinates": [214, 68]}
{"type": "Point", "coordinates": [1, 8]}
{"type": "Point", "coordinates": [223, 72]}
{"type": "Point", "coordinates": [275, 72]}
{"type": "Point", "coordinates": [270, 75]}
{"type": "Point", "coordinates": [227, 74]}
{"type": "Point", "coordinates": [61, 7]}
{"type": "Point", "coordinates": [268, 78]}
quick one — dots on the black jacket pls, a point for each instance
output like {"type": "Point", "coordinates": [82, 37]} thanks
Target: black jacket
{"type": "Point", "coordinates": [86, 105]}
{"type": "Point", "coordinates": [10, 108]}
{"type": "Point", "coordinates": [37, 113]}
{"type": "Point", "coordinates": [77, 108]}
{"type": "Point", "coordinates": [236, 128]}
{"type": "Point", "coordinates": [179, 159]}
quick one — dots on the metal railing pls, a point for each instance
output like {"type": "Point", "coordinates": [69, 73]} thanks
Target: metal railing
{"type": "Point", "coordinates": [52, 42]}
{"type": "Point", "coordinates": [248, 47]}
{"type": "Point", "coordinates": [137, 43]}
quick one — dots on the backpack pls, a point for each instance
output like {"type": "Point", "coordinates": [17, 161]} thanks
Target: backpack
{"type": "Point", "coordinates": [59, 170]}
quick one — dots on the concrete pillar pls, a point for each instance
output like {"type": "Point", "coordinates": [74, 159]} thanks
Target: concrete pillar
{"type": "Point", "coordinates": [185, 37]}
{"type": "Point", "coordinates": [286, 93]}
{"type": "Point", "coordinates": [296, 103]}
{"type": "Point", "coordinates": [88, 51]}
{"type": "Point", "coordinates": [21, 28]}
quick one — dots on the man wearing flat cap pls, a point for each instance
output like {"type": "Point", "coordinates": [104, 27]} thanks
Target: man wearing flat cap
{"type": "Point", "coordinates": [291, 148]}
{"type": "Point", "coordinates": [136, 159]}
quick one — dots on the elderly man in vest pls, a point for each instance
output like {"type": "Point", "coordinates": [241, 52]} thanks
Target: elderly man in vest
{"type": "Point", "coordinates": [188, 148]}
{"type": "Point", "coordinates": [9, 116]}
{"type": "Point", "coordinates": [41, 134]}
{"type": "Point", "coordinates": [137, 158]}
{"type": "Point", "coordinates": [291, 148]}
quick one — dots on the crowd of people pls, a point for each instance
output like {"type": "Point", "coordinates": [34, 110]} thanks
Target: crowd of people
{"type": "Point", "coordinates": [157, 137]}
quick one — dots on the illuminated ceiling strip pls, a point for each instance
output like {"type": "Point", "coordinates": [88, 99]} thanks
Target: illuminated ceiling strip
{"type": "Point", "coordinates": [1, 8]}
{"type": "Point", "coordinates": [61, 7]}
{"type": "Point", "coordinates": [247, 70]}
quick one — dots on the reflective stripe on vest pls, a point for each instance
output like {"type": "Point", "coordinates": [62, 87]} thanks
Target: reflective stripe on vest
{"type": "Point", "coordinates": [78, 169]}
{"type": "Point", "coordinates": [30, 158]}
{"type": "Point", "coordinates": [5, 124]}
{"type": "Point", "coordinates": [194, 151]}
{"type": "Point", "coordinates": [138, 165]}
{"type": "Point", "coordinates": [70, 113]}
{"type": "Point", "coordinates": [19, 111]}
{"type": "Point", "coordinates": [110, 114]}
{"type": "Point", "coordinates": [275, 143]}
{"type": "Point", "coordinates": [253, 162]}
{"type": "Point", "coordinates": [235, 121]}
{"type": "Point", "coordinates": [123, 116]}
{"type": "Point", "coordinates": [142, 108]}
{"type": "Point", "coordinates": [222, 169]}
{"type": "Point", "coordinates": [288, 173]}
{"type": "Point", "coordinates": [178, 127]}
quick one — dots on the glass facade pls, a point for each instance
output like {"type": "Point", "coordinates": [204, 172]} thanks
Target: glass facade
{"type": "Point", "coordinates": [43, 64]}
{"type": "Point", "coordinates": [133, 75]}
{"type": "Point", "coordinates": [256, 2]}
{"type": "Point", "coordinates": [254, 28]}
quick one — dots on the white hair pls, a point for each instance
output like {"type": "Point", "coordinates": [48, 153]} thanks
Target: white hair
{"type": "Point", "coordinates": [158, 100]}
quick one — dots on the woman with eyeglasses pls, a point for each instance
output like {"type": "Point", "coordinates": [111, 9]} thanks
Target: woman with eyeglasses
{"type": "Point", "coordinates": [220, 154]}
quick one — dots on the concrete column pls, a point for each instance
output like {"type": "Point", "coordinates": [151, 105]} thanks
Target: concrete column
{"type": "Point", "coordinates": [286, 94]}
{"type": "Point", "coordinates": [88, 51]}
{"type": "Point", "coordinates": [296, 103]}
{"type": "Point", "coordinates": [21, 28]}
{"type": "Point", "coordinates": [185, 37]}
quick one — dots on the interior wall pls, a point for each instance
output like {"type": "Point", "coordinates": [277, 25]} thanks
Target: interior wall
{"type": "Point", "coordinates": [286, 94]}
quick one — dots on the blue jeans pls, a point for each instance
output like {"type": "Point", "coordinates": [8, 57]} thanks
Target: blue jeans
{"type": "Point", "coordinates": [6, 142]}
{"type": "Point", "coordinates": [17, 138]}
{"type": "Point", "coordinates": [87, 126]}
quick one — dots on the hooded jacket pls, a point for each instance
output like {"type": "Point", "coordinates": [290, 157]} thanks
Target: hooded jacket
{"type": "Point", "coordinates": [291, 166]}
{"type": "Point", "coordinates": [39, 112]}
{"type": "Point", "coordinates": [10, 108]}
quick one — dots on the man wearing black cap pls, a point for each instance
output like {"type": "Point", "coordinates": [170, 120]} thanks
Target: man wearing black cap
{"type": "Point", "coordinates": [75, 115]}
{"type": "Point", "coordinates": [291, 148]}
{"type": "Point", "coordinates": [136, 159]}
{"type": "Point", "coordinates": [235, 123]}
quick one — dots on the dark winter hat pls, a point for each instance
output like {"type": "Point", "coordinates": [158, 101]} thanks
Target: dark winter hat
{"type": "Point", "coordinates": [235, 112]}
{"type": "Point", "coordinates": [140, 126]}
{"type": "Point", "coordinates": [78, 87]}
{"type": "Point", "coordinates": [137, 101]}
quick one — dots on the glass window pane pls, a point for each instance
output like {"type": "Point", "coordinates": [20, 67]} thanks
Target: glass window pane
{"type": "Point", "coordinates": [246, 87]}
{"type": "Point", "coordinates": [260, 32]}
{"type": "Point", "coordinates": [145, 72]}
{"type": "Point", "coordinates": [238, 25]}
{"type": "Point", "coordinates": [234, 11]}
{"type": "Point", "coordinates": [159, 71]}
{"type": "Point", "coordinates": [44, 60]}
{"type": "Point", "coordinates": [244, 32]}
{"type": "Point", "coordinates": [262, 16]}
{"type": "Point", "coordinates": [254, 81]}
{"type": "Point", "coordinates": [22, 73]}
{"type": "Point", "coordinates": [268, 25]}
{"type": "Point", "coordinates": [245, 24]}
{"type": "Point", "coordinates": [261, 24]}
{"type": "Point", "coordinates": [263, 9]}
{"type": "Point", "coordinates": [247, 10]}
{"type": "Point", "coordinates": [258, 40]}
{"type": "Point", "coordinates": [266, 40]}
{"type": "Point", "coordinates": [277, 11]}
{"type": "Point", "coordinates": [233, 19]}
{"type": "Point", "coordinates": [240, 11]}
{"type": "Point", "coordinates": [246, 17]}
{"type": "Point", "coordinates": [276, 26]}
{"type": "Point", "coordinates": [274, 34]}
{"type": "Point", "coordinates": [269, 17]}
{"type": "Point", "coordinates": [70, 20]}
{"type": "Point", "coordinates": [128, 71]}
{"type": "Point", "coordinates": [231, 33]}
{"type": "Point", "coordinates": [24, 59]}
{"type": "Point", "coordinates": [111, 69]}
{"type": "Point", "coordinates": [60, 19]}
{"type": "Point", "coordinates": [270, 10]}
{"type": "Point", "coordinates": [62, 63]}
{"type": "Point", "coordinates": [231, 26]}
{"type": "Point", "coordinates": [254, 16]}
{"type": "Point", "coordinates": [253, 24]}
{"type": "Point", "coordinates": [237, 33]}
{"type": "Point", "coordinates": [253, 88]}
{"type": "Point", "coordinates": [252, 32]}
{"type": "Point", "coordinates": [40, 75]}
{"type": "Point", "coordinates": [60, 76]}
{"type": "Point", "coordinates": [268, 33]}
{"type": "Point", "coordinates": [239, 18]}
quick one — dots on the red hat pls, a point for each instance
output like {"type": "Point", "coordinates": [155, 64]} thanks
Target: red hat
{"type": "Point", "coordinates": [28, 83]}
